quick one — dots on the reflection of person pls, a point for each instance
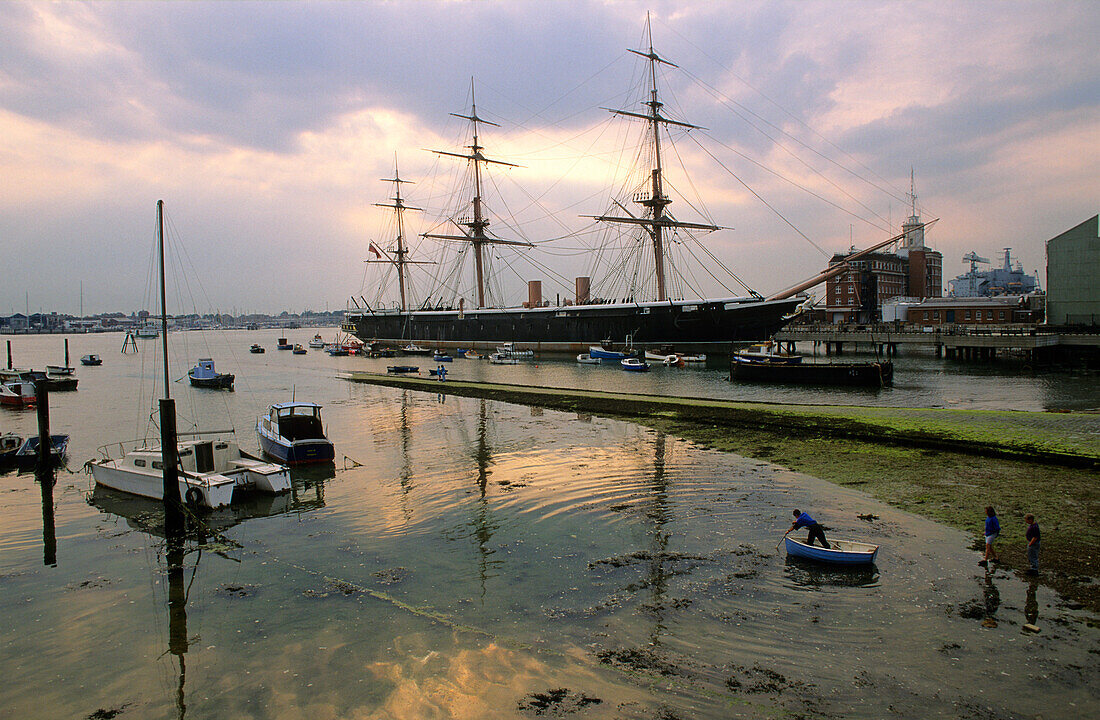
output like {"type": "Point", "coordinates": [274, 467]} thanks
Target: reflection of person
{"type": "Point", "coordinates": [1031, 603]}
{"type": "Point", "coordinates": [992, 530]}
{"type": "Point", "coordinates": [1032, 536]}
{"type": "Point", "coordinates": [816, 531]}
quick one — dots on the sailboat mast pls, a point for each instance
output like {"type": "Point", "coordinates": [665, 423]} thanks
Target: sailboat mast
{"type": "Point", "coordinates": [163, 301]}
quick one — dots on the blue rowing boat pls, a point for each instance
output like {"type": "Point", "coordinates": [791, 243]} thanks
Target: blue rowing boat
{"type": "Point", "coordinates": [841, 552]}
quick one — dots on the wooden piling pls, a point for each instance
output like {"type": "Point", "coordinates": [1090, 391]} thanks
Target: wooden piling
{"type": "Point", "coordinates": [42, 400]}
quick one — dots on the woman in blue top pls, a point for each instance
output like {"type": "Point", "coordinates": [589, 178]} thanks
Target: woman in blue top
{"type": "Point", "coordinates": [992, 530]}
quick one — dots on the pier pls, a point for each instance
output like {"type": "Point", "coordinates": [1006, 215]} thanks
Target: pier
{"type": "Point", "coordinates": [952, 342]}
{"type": "Point", "coordinates": [1066, 439]}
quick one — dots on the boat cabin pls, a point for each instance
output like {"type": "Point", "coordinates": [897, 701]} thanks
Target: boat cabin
{"type": "Point", "coordinates": [297, 421]}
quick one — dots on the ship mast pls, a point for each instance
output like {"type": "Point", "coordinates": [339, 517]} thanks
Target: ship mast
{"type": "Point", "coordinates": [655, 201]}
{"type": "Point", "coordinates": [397, 259]}
{"type": "Point", "coordinates": [473, 229]}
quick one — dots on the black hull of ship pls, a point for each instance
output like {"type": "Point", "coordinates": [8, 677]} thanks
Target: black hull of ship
{"type": "Point", "coordinates": [710, 325]}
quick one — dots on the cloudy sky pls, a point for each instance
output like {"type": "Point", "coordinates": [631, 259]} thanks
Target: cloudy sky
{"type": "Point", "coordinates": [266, 127]}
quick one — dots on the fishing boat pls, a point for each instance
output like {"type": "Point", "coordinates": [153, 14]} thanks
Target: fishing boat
{"type": "Point", "coordinates": [91, 359]}
{"type": "Point", "coordinates": [402, 369]}
{"type": "Point", "coordinates": [204, 375]}
{"type": "Point", "coordinates": [26, 458]}
{"type": "Point", "coordinates": [336, 350]}
{"type": "Point", "coordinates": [587, 359]}
{"type": "Point", "coordinates": [17, 394]}
{"type": "Point", "coordinates": [147, 331]}
{"type": "Point", "coordinates": [863, 374]}
{"type": "Point", "coordinates": [283, 344]}
{"type": "Point", "coordinates": [256, 349]}
{"type": "Point", "coordinates": [501, 359]}
{"type": "Point", "coordinates": [292, 433]}
{"type": "Point", "coordinates": [634, 365]}
{"type": "Point", "coordinates": [768, 353]}
{"type": "Point", "coordinates": [317, 343]}
{"type": "Point", "coordinates": [207, 470]}
{"type": "Point", "coordinates": [299, 350]}
{"type": "Point", "coordinates": [841, 552]}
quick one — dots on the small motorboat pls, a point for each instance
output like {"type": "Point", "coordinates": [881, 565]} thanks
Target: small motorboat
{"type": "Point", "coordinates": [586, 359]}
{"type": "Point", "coordinates": [293, 434]}
{"type": "Point", "coordinates": [402, 369]}
{"type": "Point", "coordinates": [256, 349]}
{"type": "Point", "coordinates": [299, 350]}
{"type": "Point", "coordinates": [204, 375]}
{"type": "Point", "coordinates": [91, 359]}
{"type": "Point", "coordinates": [283, 345]}
{"type": "Point", "coordinates": [9, 446]}
{"type": "Point", "coordinates": [700, 358]}
{"type": "Point", "coordinates": [17, 394]}
{"type": "Point", "coordinates": [27, 456]}
{"type": "Point", "coordinates": [442, 357]}
{"type": "Point", "coordinates": [634, 365]}
{"type": "Point", "coordinates": [661, 357]}
{"type": "Point", "coordinates": [510, 350]}
{"type": "Point", "coordinates": [502, 359]}
{"type": "Point", "coordinates": [59, 370]}
{"type": "Point", "coordinates": [317, 343]}
{"type": "Point", "coordinates": [414, 349]}
{"type": "Point", "coordinates": [473, 355]}
{"type": "Point", "coordinates": [841, 552]}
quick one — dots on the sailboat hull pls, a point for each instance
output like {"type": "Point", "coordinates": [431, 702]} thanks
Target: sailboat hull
{"type": "Point", "coordinates": [690, 326]}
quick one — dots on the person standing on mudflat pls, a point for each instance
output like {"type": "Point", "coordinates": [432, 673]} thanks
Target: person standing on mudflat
{"type": "Point", "coordinates": [992, 530]}
{"type": "Point", "coordinates": [1032, 536]}
{"type": "Point", "coordinates": [802, 519]}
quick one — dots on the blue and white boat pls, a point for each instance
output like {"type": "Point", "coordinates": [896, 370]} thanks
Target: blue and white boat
{"type": "Point", "coordinates": [634, 365]}
{"type": "Point", "coordinates": [840, 552]}
{"type": "Point", "coordinates": [597, 351]}
{"type": "Point", "coordinates": [292, 433]}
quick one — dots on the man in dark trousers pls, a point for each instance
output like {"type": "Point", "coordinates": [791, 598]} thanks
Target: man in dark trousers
{"type": "Point", "coordinates": [802, 519]}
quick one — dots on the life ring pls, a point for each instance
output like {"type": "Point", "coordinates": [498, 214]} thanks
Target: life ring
{"type": "Point", "coordinates": [193, 496]}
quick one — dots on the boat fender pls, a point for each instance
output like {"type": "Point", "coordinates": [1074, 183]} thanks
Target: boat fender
{"type": "Point", "coordinates": [193, 496]}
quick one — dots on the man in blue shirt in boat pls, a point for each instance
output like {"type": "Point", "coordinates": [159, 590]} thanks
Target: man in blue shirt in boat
{"type": "Point", "coordinates": [802, 519]}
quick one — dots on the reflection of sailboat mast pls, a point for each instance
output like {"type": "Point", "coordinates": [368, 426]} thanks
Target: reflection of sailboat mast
{"type": "Point", "coordinates": [483, 521]}
{"type": "Point", "coordinates": [406, 463]}
{"type": "Point", "coordinates": [658, 577]}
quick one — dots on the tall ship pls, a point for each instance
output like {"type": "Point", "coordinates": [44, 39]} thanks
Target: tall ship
{"type": "Point", "coordinates": [649, 314]}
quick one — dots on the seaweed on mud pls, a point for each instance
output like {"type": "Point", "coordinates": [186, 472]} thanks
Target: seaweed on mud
{"type": "Point", "coordinates": [236, 591]}
{"type": "Point", "coordinates": [637, 660]}
{"type": "Point", "coordinates": [643, 556]}
{"type": "Point", "coordinates": [759, 679]}
{"type": "Point", "coordinates": [973, 609]}
{"type": "Point", "coordinates": [556, 702]}
{"type": "Point", "coordinates": [390, 576]}
{"type": "Point", "coordinates": [107, 714]}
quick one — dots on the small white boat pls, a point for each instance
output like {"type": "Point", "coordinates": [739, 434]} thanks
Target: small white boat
{"type": "Point", "coordinates": [666, 358]}
{"type": "Point", "coordinates": [91, 359]}
{"type": "Point", "coordinates": [700, 358]}
{"type": "Point", "coordinates": [148, 330]}
{"type": "Point", "coordinates": [210, 470]}
{"type": "Point", "coordinates": [501, 359]}
{"type": "Point", "coordinates": [414, 349]}
{"type": "Point", "coordinates": [586, 359]}
{"type": "Point", "coordinates": [17, 394]}
{"type": "Point", "coordinates": [473, 355]}
{"type": "Point", "coordinates": [634, 365]}
{"type": "Point", "coordinates": [317, 343]}
{"type": "Point", "coordinates": [841, 552]}
{"type": "Point", "coordinates": [59, 370]}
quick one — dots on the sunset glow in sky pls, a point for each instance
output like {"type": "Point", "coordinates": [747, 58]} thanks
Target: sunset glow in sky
{"type": "Point", "coordinates": [266, 127]}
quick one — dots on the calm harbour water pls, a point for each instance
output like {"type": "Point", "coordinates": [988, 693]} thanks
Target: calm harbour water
{"type": "Point", "coordinates": [476, 559]}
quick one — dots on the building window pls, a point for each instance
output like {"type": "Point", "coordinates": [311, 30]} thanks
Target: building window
{"type": "Point", "coordinates": [968, 314]}
{"type": "Point", "coordinates": [926, 314]}
{"type": "Point", "coordinates": [1002, 314]}
{"type": "Point", "coordinates": [936, 314]}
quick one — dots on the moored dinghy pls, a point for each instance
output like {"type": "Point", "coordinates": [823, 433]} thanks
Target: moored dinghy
{"type": "Point", "coordinates": [586, 359]}
{"type": "Point", "coordinates": [840, 552]}
{"type": "Point", "coordinates": [634, 365]}
{"type": "Point", "coordinates": [205, 376]}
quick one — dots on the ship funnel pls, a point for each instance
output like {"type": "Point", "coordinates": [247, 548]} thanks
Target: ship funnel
{"type": "Point", "coordinates": [534, 293]}
{"type": "Point", "coordinates": [584, 290]}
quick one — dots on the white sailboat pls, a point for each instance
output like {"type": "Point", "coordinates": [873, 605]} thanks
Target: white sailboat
{"type": "Point", "coordinates": [208, 470]}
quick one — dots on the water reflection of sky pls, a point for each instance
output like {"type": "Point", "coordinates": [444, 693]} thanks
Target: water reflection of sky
{"type": "Point", "coordinates": [482, 555]}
